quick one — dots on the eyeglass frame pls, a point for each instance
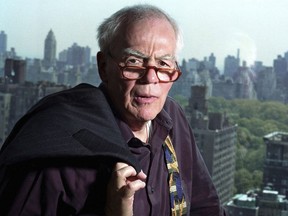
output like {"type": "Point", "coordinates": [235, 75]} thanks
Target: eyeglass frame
{"type": "Point", "coordinates": [175, 70]}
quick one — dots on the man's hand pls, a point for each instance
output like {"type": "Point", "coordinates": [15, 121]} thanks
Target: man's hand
{"type": "Point", "coordinates": [122, 186]}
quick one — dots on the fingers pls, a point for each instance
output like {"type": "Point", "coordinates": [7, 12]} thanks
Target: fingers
{"type": "Point", "coordinates": [123, 170]}
{"type": "Point", "coordinates": [124, 183]}
{"type": "Point", "coordinates": [142, 176]}
{"type": "Point", "coordinates": [120, 165]}
{"type": "Point", "coordinates": [126, 180]}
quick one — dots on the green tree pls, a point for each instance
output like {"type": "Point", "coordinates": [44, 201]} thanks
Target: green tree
{"type": "Point", "coordinates": [241, 153]}
{"type": "Point", "coordinates": [254, 159]}
{"type": "Point", "coordinates": [247, 108]}
{"type": "Point", "coordinates": [243, 180]}
{"type": "Point", "coordinates": [274, 110]}
{"type": "Point", "coordinates": [255, 119]}
{"type": "Point", "coordinates": [257, 178]}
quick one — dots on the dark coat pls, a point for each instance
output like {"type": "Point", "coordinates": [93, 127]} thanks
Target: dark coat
{"type": "Point", "coordinates": [75, 127]}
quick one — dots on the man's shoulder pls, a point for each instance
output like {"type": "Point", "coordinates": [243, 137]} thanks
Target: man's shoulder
{"type": "Point", "coordinates": [83, 97]}
{"type": "Point", "coordinates": [77, 122]}
{"type": "Point", "coordinates": [79, 93]}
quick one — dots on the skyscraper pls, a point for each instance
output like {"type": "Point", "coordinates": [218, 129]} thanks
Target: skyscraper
{"type": "Point", "coordinates": [77, 55]}
{"type": "Point", "coordinates": [266, 83]}
{"type": "Point", "coordinates": [276, 162]}
{"type": "Point", "coordinates": [50, 50]}
{"type": "Point", "coordinates": [14, 71]}
{"type": "Point", "coordinates": [216, 140]}
{"type": "Point", "coordinates": [231, 64]}
{"type": "Point", "coordinates": [280, 66]}
{"type": "Point", "coordinates": [5, 101]}
{"type": "Point", "coordinates": [3, 42]}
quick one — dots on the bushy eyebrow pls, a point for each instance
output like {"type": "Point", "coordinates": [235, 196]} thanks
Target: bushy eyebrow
{"type": "Point", "coordinates": [129, 51]}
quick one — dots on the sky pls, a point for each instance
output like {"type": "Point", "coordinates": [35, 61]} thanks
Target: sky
{"type": "Point", "coordinates": [259, 28]}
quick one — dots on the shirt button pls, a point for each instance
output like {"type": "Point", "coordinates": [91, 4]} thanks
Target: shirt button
{"type": "Point", "coordinates": [150, 189]}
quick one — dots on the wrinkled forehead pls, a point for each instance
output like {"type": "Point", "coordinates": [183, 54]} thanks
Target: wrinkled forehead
{"type": "Point", "coordinates": [148, 22]}
{"type": "Point", "coordinates": [121, 42]}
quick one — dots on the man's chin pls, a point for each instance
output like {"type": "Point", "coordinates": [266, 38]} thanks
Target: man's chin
{"type": "Point", "coordinates": [147, 117]}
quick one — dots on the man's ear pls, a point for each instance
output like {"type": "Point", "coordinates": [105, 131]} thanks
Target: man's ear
{"type": "Point", "coordinates": [101, 62]}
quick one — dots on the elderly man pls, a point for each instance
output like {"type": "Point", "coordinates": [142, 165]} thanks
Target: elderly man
{"type": "Point", "coordinates": [123, 148]}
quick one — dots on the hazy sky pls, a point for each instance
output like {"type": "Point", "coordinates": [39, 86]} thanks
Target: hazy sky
{"type": "Point", "coordinates": [258, 27]}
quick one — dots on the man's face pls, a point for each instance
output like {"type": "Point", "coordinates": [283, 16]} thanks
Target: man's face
{"type": "Point", "coordinates": [154, 43]}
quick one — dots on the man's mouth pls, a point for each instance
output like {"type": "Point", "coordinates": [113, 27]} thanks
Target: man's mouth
{"type": "Point", "coordinates": [144, 99]}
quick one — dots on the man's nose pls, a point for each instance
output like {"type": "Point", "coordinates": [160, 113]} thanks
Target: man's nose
{"type": "Point", "coordinates": [151, 75]}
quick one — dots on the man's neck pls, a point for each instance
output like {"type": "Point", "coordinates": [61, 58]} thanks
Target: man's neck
{"type": "Point", "coordinates": [144, 133]}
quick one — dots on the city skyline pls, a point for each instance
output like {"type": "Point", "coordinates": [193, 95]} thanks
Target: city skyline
{"type": "Point", "coordinates": [256, 27]}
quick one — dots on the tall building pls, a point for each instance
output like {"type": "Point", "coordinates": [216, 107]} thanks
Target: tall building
{"type": "Point", "coordinates": [192, 64]}
{"type": "Point", "coordinates": [280, 65]}
{"type": "Point", "coordinates": [87, 51]}
{"type": "Point", "coordinates": [258, 66]}
{"type": "Point", "coordinates": [3, 42]}
{"type": "Point", "coordinates": [286, 56]}
{"type": "Point", "coordinates": [275, 173]}
{"type": "Point", "coordinates": [266, 83]}
{"type": "Point", "coordinates": [281, 70]}
{"type": "Point", "coordinates": [225, 88]}
{"type": "Point", "coordinates": [76, 55]}
{"type": "Point", "coordinates": [216, 139]}
{"type": "Point", "coordinates": [244, 79]}
{"type": "Point", "coordinates": [5, 101]}
{"type": "Point", "coordinates": [50, 50]}
{"type": "Point", "coordinates": [231, 64]}
{"type": "Point", "coordinates": [14, 71]}
{"type": "Point", "coordinates": [212, 60]}
{"type": "Point", "coordinates": [63, 56]}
